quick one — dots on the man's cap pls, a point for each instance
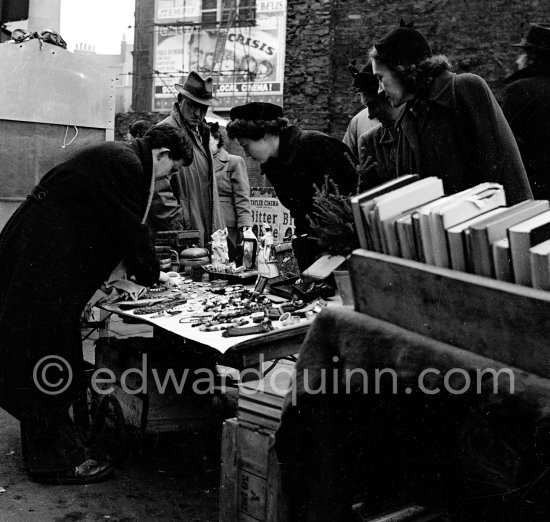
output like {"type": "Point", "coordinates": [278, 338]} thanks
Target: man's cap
{"type": "Point", "coordinates": [363, 79]}
{"type": "Point", "coordinates": [198, 89]}
{"type": "Point", "coordinates": [404, 45]}
{"type": "Point", "coordinates": [256, 111]}
{"type": "Point", "coordinates": [536, 39]}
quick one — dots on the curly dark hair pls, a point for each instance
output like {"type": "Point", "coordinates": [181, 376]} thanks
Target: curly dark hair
{"type": "Point", "coordinates": [255, 129]}
{"type": "Point", "coordinates": [164, 135]}
{"type": "Point", "coordinates": [416, 78]}
{"type": "Point", "coordinates": [216, 134]}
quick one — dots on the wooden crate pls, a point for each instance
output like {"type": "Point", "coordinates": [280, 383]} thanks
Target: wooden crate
{"type": "Point", "coordinates": [250, 488]}
{"type": "Point", "coordinates": [498, 320]}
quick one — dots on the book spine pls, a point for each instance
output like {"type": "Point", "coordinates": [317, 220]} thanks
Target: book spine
{"type": "Point", "coordinates": [540, 271]}
{"type": "Point", "coordinates": [418, 237]}
{"type": "Point", "coordinates": [457, 250]}
{"type": "Point", "coordinates": [481, 253]}
{"type": "Point", "coordinates": [359, 224]}
{"type": "Point", "coordinates": [503, 261]}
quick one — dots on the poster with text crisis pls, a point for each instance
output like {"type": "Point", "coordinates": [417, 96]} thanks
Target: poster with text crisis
{"type": "Point", "coordinates": [247, 63]}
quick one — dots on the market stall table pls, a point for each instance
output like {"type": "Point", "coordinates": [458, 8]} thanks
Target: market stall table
{"type": "Point", "coordinates": [237, 352]}
{"type": "Point", "coordinates": [184, 411]}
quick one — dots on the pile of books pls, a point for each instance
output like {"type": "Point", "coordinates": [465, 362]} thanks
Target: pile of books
{"type": "Point", "coordinates": [472, 231]}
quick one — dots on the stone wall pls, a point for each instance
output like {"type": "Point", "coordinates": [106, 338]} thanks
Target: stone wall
{"type": "Point", "coordinates": [308, 66]}
{"type": "Point", "coordinates": [323, 35]}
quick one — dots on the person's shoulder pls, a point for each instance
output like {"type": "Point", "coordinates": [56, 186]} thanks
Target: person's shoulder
{"type": "Point", "coordinates": [363, 113]}
{"type": "Point", "coordinates": [109, 148]}
{"type": "Point", "coordinates": [236, 160]}
{"type": "Point", "coordinates": [528, 85]}
{"type": "Point", "coordinates": [312, 137]}
{"type": "Point", "coordinates": [469, 81]}
{"type": "Point", "coordinates": [372, 133]}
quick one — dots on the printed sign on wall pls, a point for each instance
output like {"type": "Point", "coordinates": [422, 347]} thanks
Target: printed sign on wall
{"type": "Point", "coordinates": [246, 62]}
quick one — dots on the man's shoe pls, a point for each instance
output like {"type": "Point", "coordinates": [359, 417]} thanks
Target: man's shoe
{"type": "Point", "coordinates": [88, 472]}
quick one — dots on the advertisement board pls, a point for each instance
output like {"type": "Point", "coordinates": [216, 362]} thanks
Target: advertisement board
{"type": "Point", "coordinates": [246, 62]}
{"type": "Point", "coordinates": [266, 209]}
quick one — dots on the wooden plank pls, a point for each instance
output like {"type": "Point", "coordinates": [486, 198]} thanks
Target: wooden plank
{"type": "Point", "coordinates": [502, 321]}
{"type": "Point", "coordinates": [252, 450]}
{"type": "Point", "coordinates": [251, 499]}
{"type": "Point", "coordinates": [277, 505]}
{"type": "Point", "coordinates": [228, 479]}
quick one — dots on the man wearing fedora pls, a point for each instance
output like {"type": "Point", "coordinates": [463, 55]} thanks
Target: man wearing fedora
{"type": "Point", "coordinates": [195, 186]}
{"type": "Point", "coordinates": [377, 146]}
{"type": "Point", "coordinates": [526, 105]}
{"type": "Point", "coordinates": [362, 121]}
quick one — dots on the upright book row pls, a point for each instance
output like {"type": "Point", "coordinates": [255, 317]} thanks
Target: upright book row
{"type": "Point", "coordinates": [472, 231]}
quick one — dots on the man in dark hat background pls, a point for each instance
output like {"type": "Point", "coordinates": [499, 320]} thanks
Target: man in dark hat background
{"type": "Point", "coordinates": [294, 160]}
{"type": "Point", "coordinates": [451, 126]}
{"type": "Point", "coordinates": [195, 186]}
{"type": "Point", "coordinates": [377, 146]}
{"type": "Point", "coordinates": [362, 122]}
{"type": "Point", "coordinates": [526, 105]}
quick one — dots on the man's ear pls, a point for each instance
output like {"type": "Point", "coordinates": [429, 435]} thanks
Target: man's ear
{"type": "Point", "coordinates": [161, 152]}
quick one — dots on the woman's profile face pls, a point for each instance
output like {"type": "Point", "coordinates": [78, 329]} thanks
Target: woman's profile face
{"type": "Point", "coordinates": [260, 150]}
{"type": "Point", "coordinates": [390, 85]}
{"type": "Point", "coordinates": [213, 144]}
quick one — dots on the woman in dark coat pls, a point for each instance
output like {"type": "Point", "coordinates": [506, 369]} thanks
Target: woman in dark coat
{"type": "Point", "coordinates": [294, 160]}
{"type": "Point", "coordinates": [80, 221]}
{"type": "Point", "coordinates": [451, 127]}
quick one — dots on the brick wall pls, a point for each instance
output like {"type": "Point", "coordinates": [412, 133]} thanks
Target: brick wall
{"type": "Point", "coordinates": [323, 35]}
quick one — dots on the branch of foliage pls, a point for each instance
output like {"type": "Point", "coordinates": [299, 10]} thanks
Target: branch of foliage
{"type": "Point", "coordinates": [331, 223]}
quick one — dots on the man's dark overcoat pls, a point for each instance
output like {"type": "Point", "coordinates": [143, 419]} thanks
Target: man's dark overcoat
{"type": "Point", "coordinates": [304, 158]}
{"type": "Point", "coordinates": [459, 134]}
{"type": "Point", "coordinates": [56, 250]}
{"type": "Point", "coordinates": [526, 105]}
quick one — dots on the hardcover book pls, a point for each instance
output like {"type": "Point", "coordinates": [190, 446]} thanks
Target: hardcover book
{"type": "Point", "coordinates": [360, 199]}
{"type": "Point", "coordinates": [539, 257]}
{"type": "Point", "coordinates": [457, 238]}
{"type": "Point", "coordinates": [491, 229]}
{"type": "Point", "coordinates": [502, 260]}
{"type": "Point", "coordinates": [465, 206]}
{"type": "Point", "coordinates": [402, 200]}
{"type": "Point", "coordinates": [522, 237]}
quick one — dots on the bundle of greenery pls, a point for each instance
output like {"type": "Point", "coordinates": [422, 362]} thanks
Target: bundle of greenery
{"type": "Point", "coordinates": [331, 223]}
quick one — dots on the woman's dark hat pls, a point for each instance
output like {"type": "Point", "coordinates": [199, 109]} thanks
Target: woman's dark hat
{"type": "Point", "coordinates": [363, 79]}
{"type": "Point", "coordinates": [537, 38]}
{"type": "Point", "coordinates": [256, 111]}
{"type": "Point", "coordinates": [403, 45]}
{"type": "Point", "coordinates": [198, 89]}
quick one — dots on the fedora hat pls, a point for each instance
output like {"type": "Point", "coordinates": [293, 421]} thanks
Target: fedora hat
{"type": "Point", "coordinates": [198, 89]}
{"type": "Point", "coordinates": [363, 80]}
{"type": "Point", "coordinates": [537, 38]}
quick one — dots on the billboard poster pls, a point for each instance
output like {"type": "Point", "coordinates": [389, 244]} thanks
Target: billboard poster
{"type": "Point", "coordinates": [266, 209]}
{"type": "Point", "coordinates": [246, 62]}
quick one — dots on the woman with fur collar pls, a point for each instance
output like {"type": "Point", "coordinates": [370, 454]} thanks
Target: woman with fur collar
{"type": "Point", "coordinates": [452, 126]}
